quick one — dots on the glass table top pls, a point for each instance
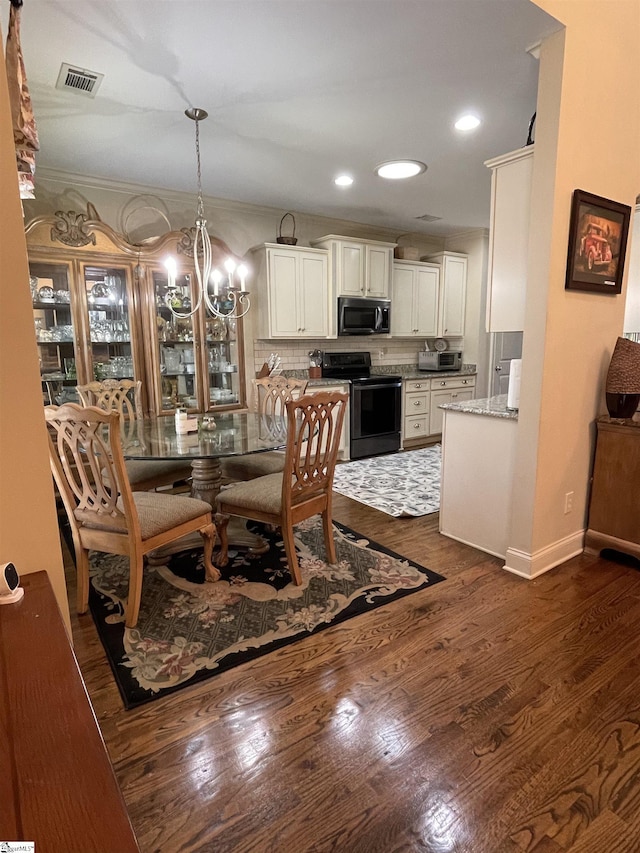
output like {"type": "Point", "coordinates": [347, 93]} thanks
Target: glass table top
{"type": "Point", "coordinates": [235, 434]}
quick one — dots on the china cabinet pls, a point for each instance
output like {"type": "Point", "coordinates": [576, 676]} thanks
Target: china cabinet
{"type": "Point", "coordinates": [414, 298]}
{"type": "Point", "coordinates": [102, 309]}
{"type": "Point", "coordinates": [293, 291]}
{"type": "Point", "coordinates": [358, 267]}
{"type": "Point", "coordinates": [511, 177]}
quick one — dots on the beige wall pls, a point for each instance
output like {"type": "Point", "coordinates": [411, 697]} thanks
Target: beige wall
{"type": "Point", "coordinates": [587, 137]}
{"type": "Point", "coordinates": [28, 523]}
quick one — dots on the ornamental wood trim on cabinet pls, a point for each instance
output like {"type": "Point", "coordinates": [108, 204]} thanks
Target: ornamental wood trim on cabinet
{"type": "Point", "coordinates": [511, 177]}
{"type": "Point", "coordinates": [414, 299]}
{"type": "Point", "coordinates": [293, 292]}
{"type": "Point", "coordinates": [358, 267]}
{"type": "Point", "coordinates": [106, 316]}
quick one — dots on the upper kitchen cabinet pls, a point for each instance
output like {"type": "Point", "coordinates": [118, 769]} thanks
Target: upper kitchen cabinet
{"type": "Point", "coordinates": [101, 311]}
{"type": "Point", "coordinates": [359, 267]}
{"type": "Point", "coordinates": [293, 290]}
{"type": "Point", "coordinates": [414, 299]}
{"type": "Point", "coordinates": [509, 239]}
{"type": "Point", "coordinates": [453, 293]}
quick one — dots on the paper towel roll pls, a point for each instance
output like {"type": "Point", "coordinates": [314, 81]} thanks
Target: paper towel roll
{"type": "Point", "coordinates": [513, 391]}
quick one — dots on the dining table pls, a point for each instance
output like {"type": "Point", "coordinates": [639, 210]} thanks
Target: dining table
{"type": "Point", "coordinates": [216, 437]}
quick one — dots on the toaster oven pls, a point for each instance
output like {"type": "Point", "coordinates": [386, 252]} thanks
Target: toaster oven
{"type": "Point", "coordinates": [447, 360]}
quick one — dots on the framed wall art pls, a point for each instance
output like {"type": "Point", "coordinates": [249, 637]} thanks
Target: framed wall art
{"type": "Point", "coordinates": [598, 232]}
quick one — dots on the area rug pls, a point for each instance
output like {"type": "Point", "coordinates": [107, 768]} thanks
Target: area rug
{"type": "Point", "coordinates": [189, 630]}
{"type": "Point", "coordinates": [400, 484]}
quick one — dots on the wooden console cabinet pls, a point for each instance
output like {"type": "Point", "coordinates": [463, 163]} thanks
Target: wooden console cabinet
{"type": "Point", "coordinates": [614, 508]}
{"type": "Point", "coordinates": [57, 785]}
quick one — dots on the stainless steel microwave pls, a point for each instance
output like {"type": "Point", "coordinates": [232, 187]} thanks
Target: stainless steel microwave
{"type": "Point", "coordinates": [447, 360]}
{"type": "Point", "coordinates": [363, 316]}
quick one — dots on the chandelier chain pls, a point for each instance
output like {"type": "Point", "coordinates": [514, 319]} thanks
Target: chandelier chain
{"type": "Point", "coordinates": [200, 208]}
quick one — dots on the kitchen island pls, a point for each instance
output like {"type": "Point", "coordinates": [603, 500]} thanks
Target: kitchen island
{"type": "Point", "coordinates": [478, 450]}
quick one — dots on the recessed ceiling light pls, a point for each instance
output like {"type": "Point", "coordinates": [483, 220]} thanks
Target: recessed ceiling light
{"type": "Point", "coordinates": [468, 122]}
{"type": "Point", "coordinates": [343, 181]}
{"type": "Point", "coordinates": [396, 169]}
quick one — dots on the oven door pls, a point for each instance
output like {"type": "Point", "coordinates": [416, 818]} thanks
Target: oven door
{"type": "Point", "coordinates": [375, 418]}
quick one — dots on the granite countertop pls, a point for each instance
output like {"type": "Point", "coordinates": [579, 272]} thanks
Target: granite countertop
{"type": "Point", "coordinates": [493, 407]}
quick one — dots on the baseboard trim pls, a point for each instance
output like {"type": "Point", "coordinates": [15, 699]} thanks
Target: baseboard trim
{"type": "Point", "coordinates": [530, 566]}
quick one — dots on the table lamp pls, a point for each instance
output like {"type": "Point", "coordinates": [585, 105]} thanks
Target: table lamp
{"type": "Point", "coordinates": [622, 388]}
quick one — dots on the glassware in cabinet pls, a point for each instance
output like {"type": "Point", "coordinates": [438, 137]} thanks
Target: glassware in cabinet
{"type": "Point", "coordinates": [111, 352]}
{"type": "Point", "coordinates": [55, 331]}
{"type": "Point", "coordinates": [223, 362]}
{"type": "Point", "coordinates": [177, 382]}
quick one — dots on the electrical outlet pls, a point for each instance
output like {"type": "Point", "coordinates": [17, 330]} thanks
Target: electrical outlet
{"type": "Point", "coordinates": [568, 503]}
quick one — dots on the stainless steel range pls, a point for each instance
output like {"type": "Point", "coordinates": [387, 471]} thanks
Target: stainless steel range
{"type": "Point", "coordinates": [375, 403]}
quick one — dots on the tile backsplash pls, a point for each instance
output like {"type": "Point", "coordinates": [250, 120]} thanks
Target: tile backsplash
{"type": "Point", "coordinates": [294, 354]}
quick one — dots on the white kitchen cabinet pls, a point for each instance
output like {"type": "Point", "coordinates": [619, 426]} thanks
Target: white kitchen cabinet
{"type": "Point", "coordinates": [358, 267]}
{"type": "Point", "coordinates": [453, 293]}
{"type": "Point", "coordinates": [453, 390]}
{"type": "Point", "coordinates": [345, 438]}
{"type": "Point", "coordinates": [414, 299]}
{"type": "Point", "coordinates": [509, 239]}
{"type": "Point", "coordinates": [415, 410]}
{"type": "Point", "coordinates": [294, 284]}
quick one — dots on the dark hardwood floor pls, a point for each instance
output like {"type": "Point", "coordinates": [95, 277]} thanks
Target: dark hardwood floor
{"type": "Point", "coordinates": [488, 714]}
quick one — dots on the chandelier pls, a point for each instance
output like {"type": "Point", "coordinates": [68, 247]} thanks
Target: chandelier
{"type": "Point", "coordinates": [222, 299]}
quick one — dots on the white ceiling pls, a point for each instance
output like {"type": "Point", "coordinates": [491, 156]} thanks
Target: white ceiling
{"type": "Point", "coordinates": [297, 91]}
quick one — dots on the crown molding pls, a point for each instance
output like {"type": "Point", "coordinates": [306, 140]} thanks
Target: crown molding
{"type": "Point", "coordinates": [213, 203]}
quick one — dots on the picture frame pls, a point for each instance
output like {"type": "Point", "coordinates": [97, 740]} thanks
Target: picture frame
{"type": "Point", "coordinates": [598, 233]}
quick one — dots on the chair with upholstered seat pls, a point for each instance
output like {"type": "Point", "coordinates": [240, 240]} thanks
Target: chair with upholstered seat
{"type": "Point", "coordinates": [85, 453]}
{"type": "Point", "coordinates": [125, 397]}
{"type": "Point", "coordinates": [271, 395]}
{"type": "Point", "coordinates": [303, 488]}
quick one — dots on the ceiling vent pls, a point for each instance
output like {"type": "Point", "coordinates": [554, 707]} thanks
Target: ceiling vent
{"type": "Point", "coordinates": [79, 80]}
{"type": "Point", "coordinates": [427, 217]}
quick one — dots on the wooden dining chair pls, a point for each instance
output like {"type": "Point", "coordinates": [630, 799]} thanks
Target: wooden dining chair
{"type": "Point", "coordinates": [125, 397]}
{"type": "Point", "coordinates": [303, 487]}
{"type": "Point", "coordinates": [85, 454]}
{"type": "Point", "coordinates": [271, 394]}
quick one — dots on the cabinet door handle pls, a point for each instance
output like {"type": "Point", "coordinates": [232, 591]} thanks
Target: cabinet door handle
{"type": "Point", "coordinates": [417, 385]}
{"type": "Point", "coordinates": [416, 426]}
{"type": "Point", "coordinates": [443, 383]}
{"type": "Point", "coordinates": [417, 403]}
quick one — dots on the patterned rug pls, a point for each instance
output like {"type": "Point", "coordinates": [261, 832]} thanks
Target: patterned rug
{"type": "Point", "coordinates": [400, 484]}
{"type": "Point", "coordinates": [189, 630]}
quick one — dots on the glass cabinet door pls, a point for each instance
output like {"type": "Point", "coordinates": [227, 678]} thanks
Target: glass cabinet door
{"type": "Point", "coordinates": [223, 362]}
{"type": "Point", "coordinates": [55, 331]}
{"type": "Point", "coordinates": [111, 354]}
{"type": "Point", "coordinates": [178, 379]}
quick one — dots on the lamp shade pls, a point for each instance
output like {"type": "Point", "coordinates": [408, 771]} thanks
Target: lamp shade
{"type": "Point", "coordinates": [623, 379]}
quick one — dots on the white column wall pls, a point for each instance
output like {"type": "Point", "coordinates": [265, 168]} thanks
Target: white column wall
{"type": "Point", "coordinates": [569, 335]}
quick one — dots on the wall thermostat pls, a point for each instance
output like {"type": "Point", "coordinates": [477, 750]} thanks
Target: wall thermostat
{"type": "Point", "coordinates": [10, 589]}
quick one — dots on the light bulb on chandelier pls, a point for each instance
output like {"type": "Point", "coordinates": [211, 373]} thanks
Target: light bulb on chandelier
{"type": "Point", "coordinates": [233, 293]}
